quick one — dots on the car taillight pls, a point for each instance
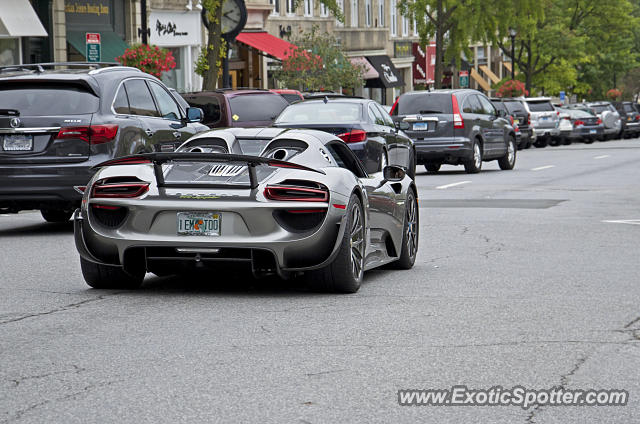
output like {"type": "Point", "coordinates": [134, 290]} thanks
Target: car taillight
{"type": "Point", "coordinates": [557, 113]}
{"type": "Point", "coordinates": [578, 123]}
{"type": "Point", "coordinates": [104, 189]}
{"type": "Point", "coordinates": [296, 194]}
{"type": "Point", "coordinates": [599, 121]}
{"type": "Point", "coordinates": [637, 117]}
{"type": "Point", "coordinates": [395, 105]}
{"type": "Point", "coordinates": [93, 134]}
{"type": "Point", "coordinates": [528, 119]}
{"type": "Point", "coordinates": [457, 118]}
{"type": "Point", "coordinates": [353, 136]}
{"type": "Point", "coordinates": [511, 118]}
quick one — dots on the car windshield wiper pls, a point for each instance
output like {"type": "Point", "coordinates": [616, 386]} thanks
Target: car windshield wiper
{"type": "Point", "coordinates": [9, 112]}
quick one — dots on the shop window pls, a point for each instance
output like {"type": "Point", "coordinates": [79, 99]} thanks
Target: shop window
{"type": "Point", "coordinates": [140, 100]}
{"type": "Point", "coordinates": [167, 106]}
{"type": "Point", "coordinates": [9, 51]}
{"type": "Point", "coordinates": [121, 102]}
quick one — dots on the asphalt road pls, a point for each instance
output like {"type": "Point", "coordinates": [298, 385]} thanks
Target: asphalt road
{"type": "Point", "coordinates": [520, 280]}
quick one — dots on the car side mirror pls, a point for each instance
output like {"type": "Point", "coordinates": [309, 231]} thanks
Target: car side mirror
{"type": "Point", "coordinates": [402, 125]}
{"type": "Point", "coordinates": [393, 173]}
{"type": "Point", "coordinates": [194, 114]}
{"type": "Point", "coordinates": [502, 113]}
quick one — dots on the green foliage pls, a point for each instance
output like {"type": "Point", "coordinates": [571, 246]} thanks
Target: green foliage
{"type": "Point", "coordinates": [318, 63]}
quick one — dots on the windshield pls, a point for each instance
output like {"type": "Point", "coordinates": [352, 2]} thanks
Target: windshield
{"type": "Point", "coordinates": [38, 99]}
{"type": "Point", "coordinates": [256, 107]}
{"type": "Point", "coordinates": [514, 107]}
{"type": "Point", "coordinates": [542, 106]}
{"type": "Point", "coordinates": [320, 112]}
{"type": "Point", "coordinates": [424, 103]}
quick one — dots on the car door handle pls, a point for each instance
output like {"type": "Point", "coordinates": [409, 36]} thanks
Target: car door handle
{"type": "Point", "coordinates": [177, 134]}
{"type": "Point", "coordinates": [149, 132]}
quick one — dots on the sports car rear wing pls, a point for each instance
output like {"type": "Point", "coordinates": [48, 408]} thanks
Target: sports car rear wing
{"type": "Point", "coordinates": [158, 159]}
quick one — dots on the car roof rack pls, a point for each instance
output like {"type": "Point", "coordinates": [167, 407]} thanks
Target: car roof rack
{"type": "Point", "coordinates": [41, 67]}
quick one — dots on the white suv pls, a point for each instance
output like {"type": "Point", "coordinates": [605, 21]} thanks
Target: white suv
{"type": "Point", "coordinates": [544, 119]}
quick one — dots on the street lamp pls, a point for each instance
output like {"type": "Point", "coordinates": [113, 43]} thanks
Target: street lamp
{"type": "Point", "coordinates": [512, 34]}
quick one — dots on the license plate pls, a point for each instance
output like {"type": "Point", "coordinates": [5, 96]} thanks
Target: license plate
{"type": "Point", "coordinates": [421, 126]}
{"type": "Point", "coordinates": [592, 131]}
{"type": "Point", "coordinates": [516, 121]}
{"type": "Point", "coordinates": [17, 142]}
{"type": "Point", "coordinates": [544, 118]}
{"type": "Point", "coordinates": [199, 223]}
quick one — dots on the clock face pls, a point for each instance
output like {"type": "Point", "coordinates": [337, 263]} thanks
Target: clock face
{"type": "Point", "coordinates": [231, 16]}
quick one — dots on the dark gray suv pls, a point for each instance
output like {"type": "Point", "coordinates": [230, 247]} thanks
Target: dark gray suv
{"type": "Point", "coordinates": [55, 124]}
{"type": "Point", "coordinates": [455, 127]}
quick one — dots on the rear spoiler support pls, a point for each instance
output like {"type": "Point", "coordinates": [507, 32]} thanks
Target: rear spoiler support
{"type": "Point", "coordinates": [159, 158]}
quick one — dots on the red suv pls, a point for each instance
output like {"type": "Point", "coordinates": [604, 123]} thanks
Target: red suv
{"type": "Point", "coordinates": [237, 108]}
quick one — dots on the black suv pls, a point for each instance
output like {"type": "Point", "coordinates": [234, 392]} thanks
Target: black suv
{"type": "Point", "coordinates": [630, 118]}
{"type": "Point", "coordinates": [55, 124]}
{"type": "Point", "coordinates": [521, 117]}
{"type": "Point", "coordinates": [455, 127]}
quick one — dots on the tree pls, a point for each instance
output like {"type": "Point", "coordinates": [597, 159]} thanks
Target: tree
{"type": "Point", "coordinates": [453, 24]}
{"type": "Point", "coordinates": [318, 63]}
{"type": "Point", "coordinates": [209, 62]}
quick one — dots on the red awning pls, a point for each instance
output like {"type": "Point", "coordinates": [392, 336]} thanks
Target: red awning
{"type": "Point", "coordinates": [267, 43]}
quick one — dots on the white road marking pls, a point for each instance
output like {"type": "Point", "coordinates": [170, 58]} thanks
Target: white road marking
{"type": "Point", "coordinates": [624, 221]}
{"type": "Point", "coordinates": [601, 157]}
{"type": "Point", "coordinates": [452, 185]}
{"type": "Point", "coordinates": [540, 168]}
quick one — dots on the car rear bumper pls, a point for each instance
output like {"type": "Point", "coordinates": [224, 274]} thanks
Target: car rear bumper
{"type": "Point", "coordinates": [443, 150]}
{"type": "Point", "coordinates": [42, 186]}
{"type": "Point", "coordinates": [547, 132]}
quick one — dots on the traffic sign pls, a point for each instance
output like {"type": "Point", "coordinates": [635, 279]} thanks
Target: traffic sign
{"type": "Point", "coordinates": [93, 47]}
{"type": "Point", "coordinates": [464, 79]}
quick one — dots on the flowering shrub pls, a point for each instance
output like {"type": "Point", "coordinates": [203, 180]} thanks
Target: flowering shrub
{"type": "Point", "coordinates": [614, 94]}
{"type": "Point", "coordinates": [512, 88]}
{"type": "Point", "coordinates": [150, 59]}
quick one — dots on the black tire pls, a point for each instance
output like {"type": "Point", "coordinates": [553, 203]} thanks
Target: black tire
{"type": "Point", "coordinates": [528, 145]}
{"type": "Point", "coordinates": [541, 142]}
{"type": "Point", "coordinates": [56, 215]}
{"type": "Point", "coordinates": [566, 141]}
{"type": "Point", "coordinates": [411, 172]}
{"type": "Point", "coordinates": [344, 274]}
{"type": "Point", "coordinates": [432, 167]}
{"type": "Point", "coordinates": [508, 161]}
{"type": "Point", "coordinates": [553, 141]}
{"type": "Point", "coordinates": [410, 233]}
{"type": "Point", "coordinates": [109, 277]}
{"type": "Point", "coordinates": [589, 140]}
{"type": "Point", "coordinates": [474, 165]}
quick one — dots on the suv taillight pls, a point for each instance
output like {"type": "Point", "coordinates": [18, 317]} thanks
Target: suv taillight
{"type": "Point", "coordinates": [92, 134]}
{"type": "Point", "coordinates": [528, 119]}
{"type": "Point", "coordinates": [599, 121]}
{"type": "Point", "coordinates": [457, 118]}
{"type": "Point", "coordinates": [395, 105]}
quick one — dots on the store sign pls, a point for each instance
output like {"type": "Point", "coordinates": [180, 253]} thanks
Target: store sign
{"type": "Point", "coordinates": [424, 63]}
{"type": "Point", "coordinates": [170, 29]}
{"type": "Point", "coordinates": [464, 79]}
{"type": "Point", "coordinates": [93, 47]}
{"type": "Point", "coordinates": [402, 49]}
{"type": "Point", "coordinates": [93, 14]}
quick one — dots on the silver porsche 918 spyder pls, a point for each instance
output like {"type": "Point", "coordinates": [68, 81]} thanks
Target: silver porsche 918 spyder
{"type": "Point", "coordinates": [292, 203]}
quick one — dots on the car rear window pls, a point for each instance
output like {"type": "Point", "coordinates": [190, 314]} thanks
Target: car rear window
{"type": "Point", "coordinates": [543, 106]}
{"type": "Point", "coordinates": [320, 112]}
{"type": "Point", "coordinates": [579, 113]}
{"type": "Point", "coordinates": [515, 107]}
{"type": "Point", "coordinates": [600, 108]}
{"type": "Point", "coordinates": [424, 103]}
{"type": "Point", "coordinates": [628, 107]}
{"type": "Point", "coordinates": [291, 98]}
{"type": "Point", "coordinates": [256, 107]}
{"type": "Point", "coordinates": [47, 99]}
{"type": "Point", "coordinates": [210, 106]}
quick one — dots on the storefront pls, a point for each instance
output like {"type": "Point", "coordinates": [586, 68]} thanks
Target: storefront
{"type": "Point", "coordinates": [106, 17]}
{"type": "Point", "coordinates": [389, 77]}
{"type": "Point", "coordinates": [180, 33]}
{"type": "Point", "coordinates": [17, 22]}
{"type": "Point", "coordinates": [256, 53]}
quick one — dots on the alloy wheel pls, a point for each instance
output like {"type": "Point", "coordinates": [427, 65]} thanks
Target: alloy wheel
{"type": "Point", "coordinates": [412, 227]}
{"type": "Point", "coordinates": [357, 243]}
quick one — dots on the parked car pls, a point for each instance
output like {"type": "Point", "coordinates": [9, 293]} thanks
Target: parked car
{"type": "Point", "coordinates": [565, 126]}
{"type": "Point", "coordinates": [361, 123]}
{"type": "Point", "coordinates": [455, 127]}
{"type": "Point", "coordinates": [610, 118]}
{"type": "Point", "coordinates": [630, 119]}
{"type": "Point", "coordinates": [544, 119]}
{"type": "Point", "coordinates": [516, 107]}
{"type": "Point", "coordinates": [585, 126]}
{"type": "Point", "coordinates": [306, 205]}
{"type": "Point", "coordinates": [56, 124]}
{"type": "Point", "coordinates": [237, 108]}
{"type": "Point", "coordinates": [291, 96]}
{"type": "Point", "coordinates": [503, 112]}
